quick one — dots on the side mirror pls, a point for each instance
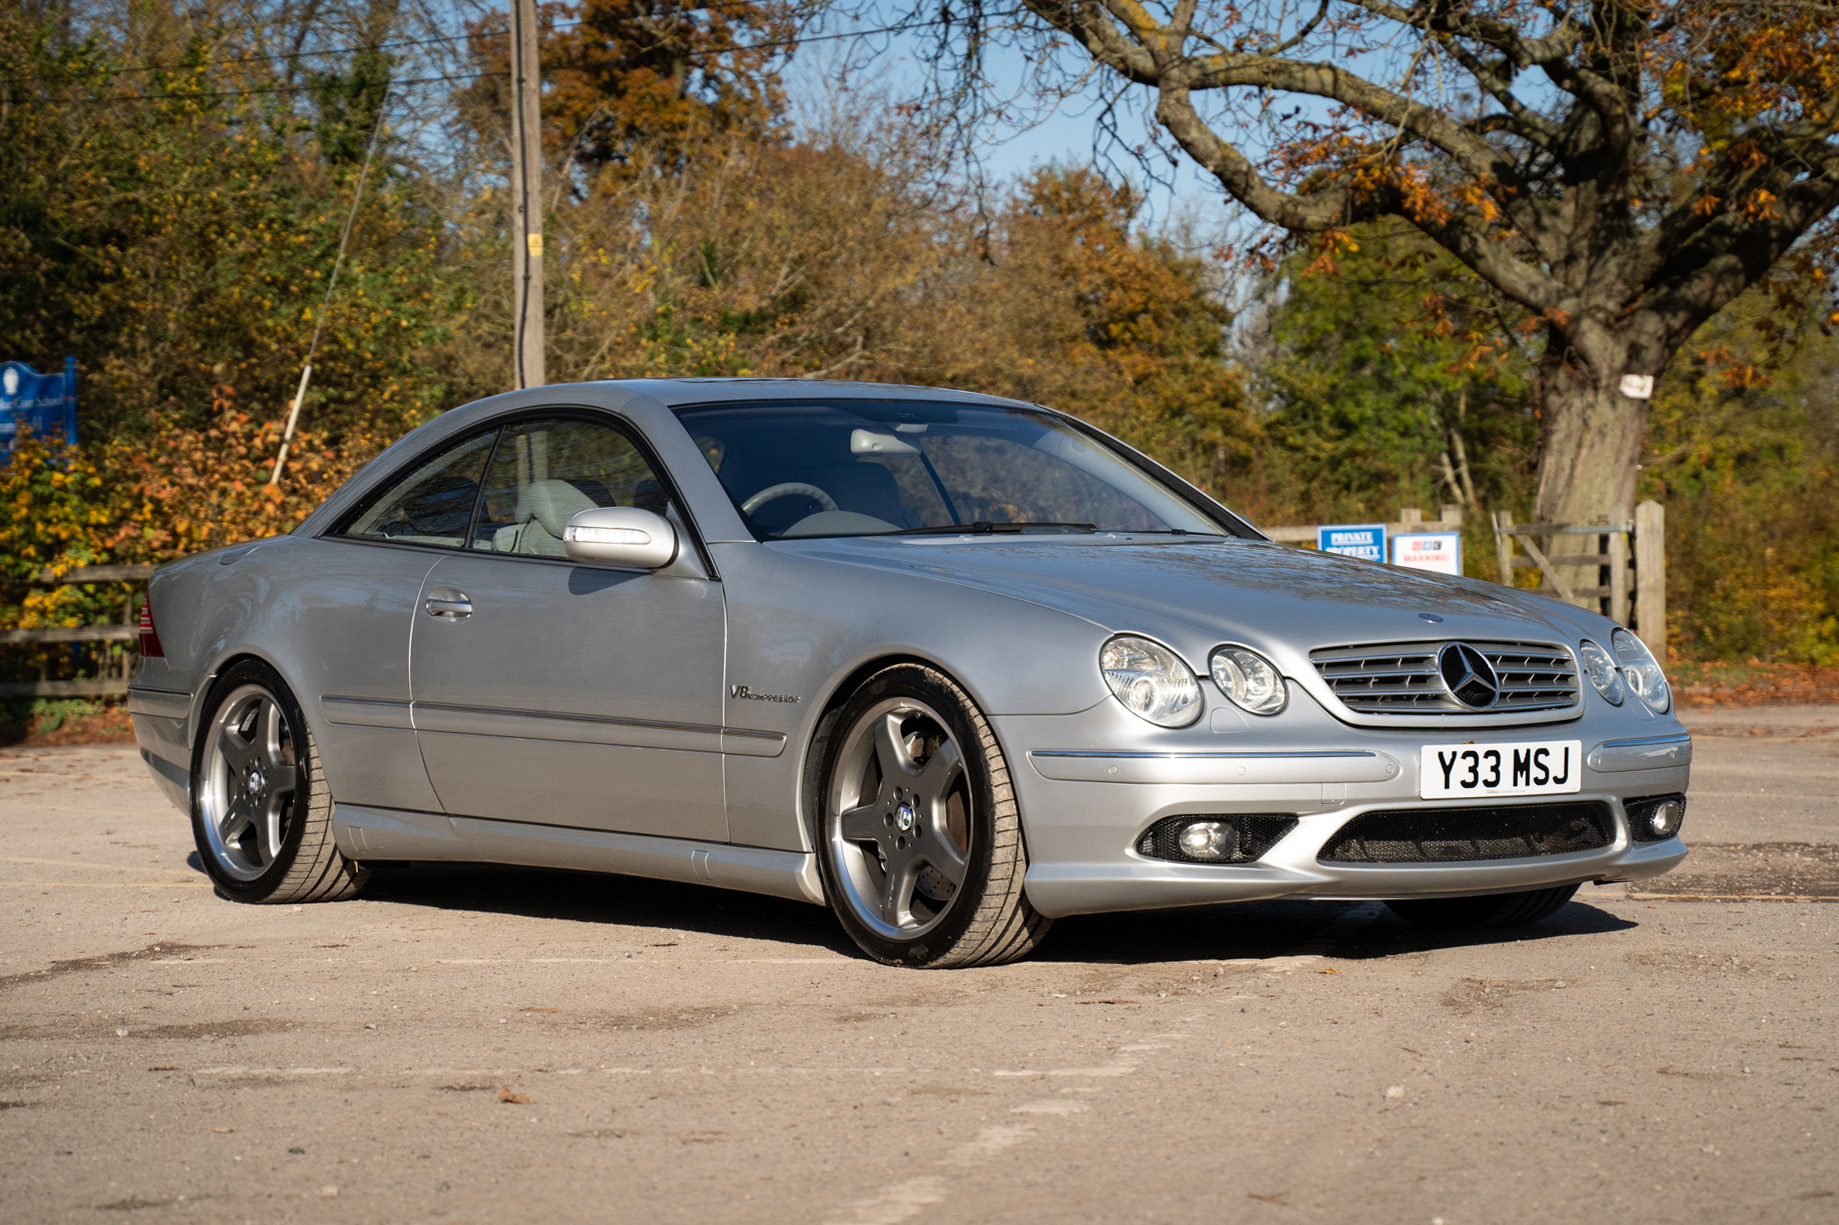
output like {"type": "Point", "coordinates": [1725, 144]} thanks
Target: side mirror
{"type": "Point", "coordinates": [620, 536]}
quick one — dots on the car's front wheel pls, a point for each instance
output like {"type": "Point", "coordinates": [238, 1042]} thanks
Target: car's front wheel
{"type": "Point", "coordinates": [1494, 910]}
{"type": "Point", "coordinates": [920, 839]}
{"type": "Point", "coordinates": [261, 813]}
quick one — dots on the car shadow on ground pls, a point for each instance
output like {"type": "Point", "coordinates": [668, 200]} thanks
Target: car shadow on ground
{"type": "Point", "coordinates": [1344, 930]}
{"type": "Point", "coordinates": [1350, 931]}
{"type": "Point", "coordinates": [591, 897]}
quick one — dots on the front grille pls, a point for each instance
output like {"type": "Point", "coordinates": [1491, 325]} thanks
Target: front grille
{"type": "Point", "coordinates": [1400, 678]}
{"type": "Point", "coordinates": [1257, 833]}
{"type": "Point", "coordinates": [1457, 835]}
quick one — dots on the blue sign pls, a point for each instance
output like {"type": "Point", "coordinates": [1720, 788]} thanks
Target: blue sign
{"type": "Point", "coordinates": [1366, 541]}
{"type": "Point", "coordinates": [45, 404]}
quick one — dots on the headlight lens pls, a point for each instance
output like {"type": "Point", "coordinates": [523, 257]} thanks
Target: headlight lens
{"type": "Point", "coordinates": [1249, 679]}
{"type": "Point", "coordinates": [1150, 680]}
{"type": "Point", "coordinates": [1642, 670]}
{"type": "Point", "coordinates": [1603, 672]}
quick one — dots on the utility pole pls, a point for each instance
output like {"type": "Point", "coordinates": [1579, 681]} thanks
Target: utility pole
{"type": "Point", "coordinates": [526, 195]}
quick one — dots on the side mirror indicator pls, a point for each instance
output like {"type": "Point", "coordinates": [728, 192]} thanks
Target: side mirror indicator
{"type": "Point", "coordinates": [620, 536]}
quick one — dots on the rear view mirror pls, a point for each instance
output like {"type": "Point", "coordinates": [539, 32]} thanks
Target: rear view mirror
{"type": "Point", "coordinates": [873, 442]}
{"type": "Point", "coordinates": [620, 536]}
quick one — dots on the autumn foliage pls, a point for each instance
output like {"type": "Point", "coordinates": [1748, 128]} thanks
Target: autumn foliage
{"type": "Point", "coordinates": [173, 230]}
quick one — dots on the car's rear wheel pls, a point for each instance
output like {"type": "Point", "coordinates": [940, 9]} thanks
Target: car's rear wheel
{"type": "Point", "coordinates": [1495, 910]}
{"type": "Point", "coordinates": [261, 815]}
{"type": "Point", "coordinates": [920, 839]}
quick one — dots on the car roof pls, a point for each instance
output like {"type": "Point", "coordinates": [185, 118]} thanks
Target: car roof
{"type": "Point", "coordinates": [678, 393]}
{"type": "Point", "coordinates": [647, 401]}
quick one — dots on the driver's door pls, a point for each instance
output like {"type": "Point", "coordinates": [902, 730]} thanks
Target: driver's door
{"type": "Point", "coordinates": [569, 695]}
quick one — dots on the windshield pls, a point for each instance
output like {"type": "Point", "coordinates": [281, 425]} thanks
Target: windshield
{"type": "Point", "coordinates": [878, 467]}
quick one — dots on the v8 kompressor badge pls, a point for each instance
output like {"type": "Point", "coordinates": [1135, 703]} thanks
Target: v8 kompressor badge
{"type": "Point", "coordinates": [743, 692]}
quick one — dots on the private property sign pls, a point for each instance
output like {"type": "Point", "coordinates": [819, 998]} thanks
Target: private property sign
{"type": "Point", "coordinates": [1366, 541]}
{"type": "Point", "coordinates": [45, 404]}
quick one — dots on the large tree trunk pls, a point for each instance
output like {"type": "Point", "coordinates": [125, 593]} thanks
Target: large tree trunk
{"type": "Point", "coordinates": [1592, 436]}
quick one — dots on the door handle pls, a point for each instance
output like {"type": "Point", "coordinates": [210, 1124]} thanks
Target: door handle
{"type": "Point", "coordinates": [448, 604]}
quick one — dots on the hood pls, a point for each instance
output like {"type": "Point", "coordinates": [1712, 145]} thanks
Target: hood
{"type": "Point", "coordinates": [1194, 594]}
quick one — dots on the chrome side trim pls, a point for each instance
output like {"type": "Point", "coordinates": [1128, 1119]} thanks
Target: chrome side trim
{"type": "Point", "coordinates": [163, 703]}
{"type": "Point", "coordinates": [595, 729]}
{"type": "Point", "coordinates": [743, 742]}
{"type": "Point", "coordinates": [366, 712]}
{"type": "Point", "coordinates": [1643, 753]}
{"type": "Point", "coordinates": [378, 833]}
{"type": "Point", "coordinates": [1316, 766]}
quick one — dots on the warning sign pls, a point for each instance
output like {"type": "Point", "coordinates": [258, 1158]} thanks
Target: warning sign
{"type": "Point", "coordinates": [1436, 551]}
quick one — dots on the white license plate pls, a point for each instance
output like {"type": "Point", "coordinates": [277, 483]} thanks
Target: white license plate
{"type": "Point", "coordinates": [1539, 767]}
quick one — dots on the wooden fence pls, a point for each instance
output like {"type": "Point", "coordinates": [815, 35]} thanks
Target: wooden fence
{"type": "Point", "coordinates": [113, 672]}
{"type": "Point", "coordinates": [1623, 562]}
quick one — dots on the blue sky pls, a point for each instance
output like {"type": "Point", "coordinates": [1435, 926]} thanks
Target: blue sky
{"type": "Point", "coordinates": [1068, 135]}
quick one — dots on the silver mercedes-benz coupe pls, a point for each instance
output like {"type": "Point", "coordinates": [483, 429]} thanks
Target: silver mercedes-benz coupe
{"type": "Point", "coordinates": [953, 665]}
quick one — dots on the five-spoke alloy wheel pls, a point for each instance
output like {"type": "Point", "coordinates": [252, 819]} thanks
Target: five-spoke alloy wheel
{"type": "Point", "coordinates": [262, 827]}
{"type": "Point", "coordinates": [922, 851]}
{"type": "Point", "coordinates": [249, 782]}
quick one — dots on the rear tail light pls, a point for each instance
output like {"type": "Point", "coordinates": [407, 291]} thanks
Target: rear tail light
{"type": "Point", "coordinates": [150, 647]}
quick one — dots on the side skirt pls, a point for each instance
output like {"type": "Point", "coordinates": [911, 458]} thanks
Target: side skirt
{"type": "Point", "coordinates": [388, 833]}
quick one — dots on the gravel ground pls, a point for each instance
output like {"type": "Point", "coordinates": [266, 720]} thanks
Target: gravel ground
{"type": "Point", "coordinates": [481, 1044]}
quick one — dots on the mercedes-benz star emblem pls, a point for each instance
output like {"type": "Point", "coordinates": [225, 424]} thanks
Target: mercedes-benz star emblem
{"type": "Point", "coordinates": [1468, 675]}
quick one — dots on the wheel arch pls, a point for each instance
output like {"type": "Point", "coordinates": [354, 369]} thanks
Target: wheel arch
{"type": "Point", "coordinates": [213, 678]}
{"type": "Point", "coordinates": [810, 768]}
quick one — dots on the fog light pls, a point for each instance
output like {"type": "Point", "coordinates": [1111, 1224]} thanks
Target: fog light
{"type": "Point", "coordinates": [1663, 820]}
{"type": "Point", "coordinates": [1211, 840]}
{"type": "Point", "coordinates": [1656, 819]}
{"type": "Point", "coordinates": [1214, 837]}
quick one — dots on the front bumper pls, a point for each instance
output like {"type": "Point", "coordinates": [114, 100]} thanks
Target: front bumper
{"type": "Point", "coordinates": [1090, 784]}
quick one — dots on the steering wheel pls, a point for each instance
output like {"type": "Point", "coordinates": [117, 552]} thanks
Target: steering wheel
{"type": "Point", "coordinates": [785, 489]}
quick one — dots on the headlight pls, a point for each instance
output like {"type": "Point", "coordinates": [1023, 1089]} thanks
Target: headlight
{"type": "Point", "coordinates": [1249, 679]}
{"type": "Point", "coordinates": [1150, 680]}
{"type": "Point", "coordinates": [1642, 670]}
{"type": "Point", "coordinates": [1603, 672]}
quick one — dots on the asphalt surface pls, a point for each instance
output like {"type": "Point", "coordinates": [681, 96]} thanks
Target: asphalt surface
{"type": "Point", "coordinates": [498, 1045]}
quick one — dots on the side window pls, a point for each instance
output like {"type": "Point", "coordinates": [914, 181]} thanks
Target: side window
{"type": "Point", "coordinates": [546, 472]}
{"type": "Point", "coordinates": [434, 503]}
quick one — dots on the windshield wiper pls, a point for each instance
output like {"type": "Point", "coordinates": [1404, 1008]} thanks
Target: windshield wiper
{"type": "Point", "coordinates": [985, 527]}
{"type": "Point", "coordinates": [1170, 531]}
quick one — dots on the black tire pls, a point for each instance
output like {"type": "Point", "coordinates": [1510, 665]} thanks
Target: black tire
{"type": "Point", "coordinates": [981, 919]}
{"type": "Point", "coordinates": [1495, 910]}
{"type": "Point", "coordinates": [302, 864]}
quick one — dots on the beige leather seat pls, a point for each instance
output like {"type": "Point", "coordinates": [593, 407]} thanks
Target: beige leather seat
{"type": "Point", "coordinates": [543, 510]}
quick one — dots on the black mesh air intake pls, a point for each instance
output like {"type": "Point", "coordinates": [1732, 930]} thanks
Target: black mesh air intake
{"type": "Point", "coordinates": [1454, 835]}
{"type": "Point", "coordinates": [1257, 833]}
